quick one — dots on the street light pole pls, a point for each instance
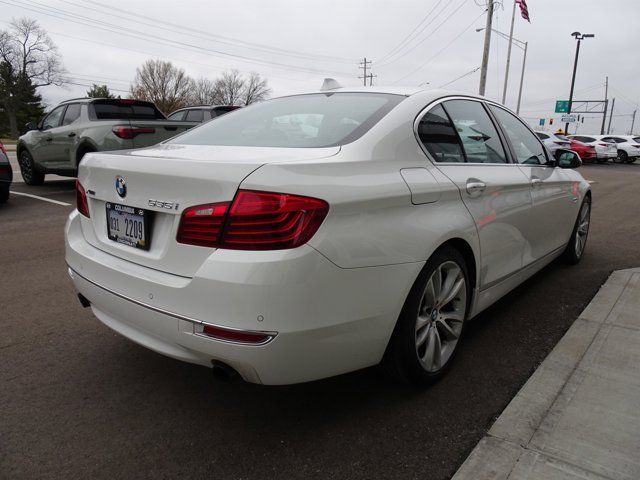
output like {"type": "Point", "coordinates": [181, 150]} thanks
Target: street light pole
{"type": "Point", "coordinates": [579, 37]}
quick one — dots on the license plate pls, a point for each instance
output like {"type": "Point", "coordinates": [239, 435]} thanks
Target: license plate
{"type": "Point", "coordinates": [128, 225]}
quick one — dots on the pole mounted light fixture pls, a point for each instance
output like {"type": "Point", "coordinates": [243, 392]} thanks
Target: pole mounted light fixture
{"type": "Point", "coordinates": [579, 37]}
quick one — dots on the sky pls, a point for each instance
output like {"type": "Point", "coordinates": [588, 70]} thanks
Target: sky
{"type": "Point", "coordinates": [295, 44]}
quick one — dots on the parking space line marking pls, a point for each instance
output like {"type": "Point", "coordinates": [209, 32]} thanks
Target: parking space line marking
{"type": "Point", "coordinates": [57, 202]}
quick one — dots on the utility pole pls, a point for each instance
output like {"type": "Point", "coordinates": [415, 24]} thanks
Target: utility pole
{"type": "Point", "coordinates": [506, 71]}
{"type": "Point", "coordinates": [606, 104]}
{"type": "Point", "coordinates": [579, 37]}
{"type": "Point", "coordinates": [487, 45]}
{"type": "Point", "coordinates": [613, 104]}
{"type": "Point", "coordinates": [524, 61]}
{"type": "Point", "coordinates": [633, 121]}
{"type": "Point", "coordinates": [371, 75]}
{"type": "Point", "coordinates": [364, 65]}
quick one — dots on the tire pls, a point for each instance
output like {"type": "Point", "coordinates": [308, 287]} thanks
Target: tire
{"type": "Point", "coordinates": [578, 242]}
{"type": "Point", "coordinates": [622, 157]}
{"type": "Point", "coordinates": [28, 170]}
{"type": "Point", "coordinates": [426, 336]}
{"type": "Point", "coordinates": [632, 159]}
{"type": "Point", "coordinates": [4, 193]}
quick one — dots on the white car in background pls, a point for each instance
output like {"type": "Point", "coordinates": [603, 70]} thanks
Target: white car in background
{"type": "Point", "coordinates": [247, 247]}
{"type": "Point", "coordinates": [554, 141]}
{"type": "Point", "coordinates": [627, 145]}
{"type": "Point", "coordinates": [604, 150]}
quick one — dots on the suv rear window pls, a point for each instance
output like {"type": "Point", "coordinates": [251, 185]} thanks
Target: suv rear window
{"type": "Point", "coordinates": [125, 110]}
{"type": "Point", "coordinates": [312, 120]}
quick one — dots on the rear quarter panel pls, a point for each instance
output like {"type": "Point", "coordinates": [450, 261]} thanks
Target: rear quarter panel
{"type": "Point", "coordinates": [372, 220]}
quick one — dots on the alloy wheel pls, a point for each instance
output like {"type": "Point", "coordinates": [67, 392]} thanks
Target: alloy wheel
{"type": "Point", "coordinates": [583, 228]}
{"type": "Point", "coordinates": [441, 315]}
{"type": "Point", "coordinates": [26, 167]}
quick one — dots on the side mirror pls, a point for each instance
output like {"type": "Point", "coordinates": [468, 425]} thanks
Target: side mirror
{"type": "Point", "coordinates": [31, 126]}
{"type": "Point", "coordinates": [567, 158]}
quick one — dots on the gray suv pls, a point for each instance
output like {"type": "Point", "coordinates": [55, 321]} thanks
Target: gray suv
{"type": "Point", "coordinates": [76, 127]}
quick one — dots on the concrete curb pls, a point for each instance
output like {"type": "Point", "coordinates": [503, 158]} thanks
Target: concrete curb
{"type": "Point", "coordinates": [526, 441]}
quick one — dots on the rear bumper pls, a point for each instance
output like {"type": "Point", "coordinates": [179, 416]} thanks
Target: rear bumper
{"type": "Point", "coordinates": [325, 320]}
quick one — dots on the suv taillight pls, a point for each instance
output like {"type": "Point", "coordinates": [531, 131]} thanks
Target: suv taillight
{"type": "Point", "coordinates": [129, 133]}
{"type": "Point", "coordinates": [81, 200]}
{"type": "Point", "coordinates": [253, 221]}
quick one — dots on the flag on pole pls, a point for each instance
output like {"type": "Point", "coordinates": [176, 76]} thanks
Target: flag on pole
{"type": "Point", "coordinates": [524, 11]}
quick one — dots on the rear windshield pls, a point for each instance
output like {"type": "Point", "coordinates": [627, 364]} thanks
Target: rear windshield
{"type": "Point", "coordinates": [636, 139]}
{"type": "Point", "coordinates": [126, 110]}
{"type": "Point", "coordinates": [314, 120]}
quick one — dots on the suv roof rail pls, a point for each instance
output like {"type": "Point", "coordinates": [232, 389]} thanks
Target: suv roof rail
{"type": "Point", "coordinates": [75, 99]}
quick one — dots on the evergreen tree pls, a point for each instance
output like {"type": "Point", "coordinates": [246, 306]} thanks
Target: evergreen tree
{"type": "Point", "coordinates": [99, 91]}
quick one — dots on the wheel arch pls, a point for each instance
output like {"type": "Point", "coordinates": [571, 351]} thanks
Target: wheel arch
{"type": "Point", "coordinates": [469, 256]}
{"type": "Point", "coordinates": [85, 146]}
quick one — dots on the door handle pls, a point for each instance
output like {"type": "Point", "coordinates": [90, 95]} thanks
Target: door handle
{"type": "Point", "coordinates": [72, 134]}
{"type": "Point", "coordinates": [536, 182]}
{"type": "Point", "coordinates": [475, 187]}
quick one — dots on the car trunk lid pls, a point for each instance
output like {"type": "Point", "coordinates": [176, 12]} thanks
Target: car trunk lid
{"type": "Point", "coordinates": [163, 181]}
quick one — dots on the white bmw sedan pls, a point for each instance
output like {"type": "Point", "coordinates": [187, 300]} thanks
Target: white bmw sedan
{"type": "Point", "coordinates": [313, 235]}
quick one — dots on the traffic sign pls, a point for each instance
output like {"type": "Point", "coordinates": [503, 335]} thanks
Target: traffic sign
{"type": "Point", "coordinates": [569, 119]}
{"type": "Point", "coordinates": [562, 106]}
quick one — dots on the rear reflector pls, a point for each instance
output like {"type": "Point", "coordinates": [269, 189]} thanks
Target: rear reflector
{"type": "Point", "coordinates": [128, 133]}
{"type": "Point", "coordinates": [235, 335]}
{"type": "Point", "coordinates": [81, 200]}
{"type": "Point", "coordinates": [254, 221]}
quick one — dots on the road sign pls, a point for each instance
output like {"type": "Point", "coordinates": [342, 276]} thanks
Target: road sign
{"type": "Point", "coordinates": [562, 106]}
{"type": "Point", "coordinates": [542, 122]}
{"type": "Point", "coordinates": [569, 119]}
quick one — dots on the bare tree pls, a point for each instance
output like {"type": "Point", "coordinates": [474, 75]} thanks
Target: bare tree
{"type": "Point", "coordinates": [255, 89]}
{"type": "Point", "coordinates": [229, 88]}
{"type": "Point", "coordinates": [29, 57]}
{"type": "Point", "coordinates": [160, 82]}
{"type": "Point", "coordinates": [202, 92]}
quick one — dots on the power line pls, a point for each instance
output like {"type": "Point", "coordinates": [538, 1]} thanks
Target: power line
{"type": "Point", "coordinates": [421, 66]}
{"type": "Point", "coordinates": [460, 77]}
{"type": "Point", "coordinates": [189, 31]}
{"type": "Point", "coordinates": [404, 40]}
{"type": "Point", "coordinates": [429, 35]}
{"type": "Point", "coordinates": [54, 12]}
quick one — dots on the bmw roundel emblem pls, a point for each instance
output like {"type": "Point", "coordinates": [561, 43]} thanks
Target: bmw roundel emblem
{"type": "Point", "coordinates": [121, 186]}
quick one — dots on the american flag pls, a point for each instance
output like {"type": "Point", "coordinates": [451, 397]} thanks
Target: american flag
{"type": "Point", "coordinates": [524, 11]}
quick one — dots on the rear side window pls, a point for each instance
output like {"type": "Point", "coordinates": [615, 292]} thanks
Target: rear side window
{"type": "Point", "coordinates": [72, 114]}
{"type": "Point", "coordinates": [177, 115]}
{"type": "Point", "coordinates": [216, 112]}
{"type": "Point", "coordinates": [195, 115]}
{"type": "Point", "coordinates": [618, 139]}
{"type": "Point", "coordinates": [636, 139]}
{"type": "Point", "coordinates": [478, 135]}
{"type": "Point", "coordinates": [527, 148]}
{"type": "Point", "coordinates": [580, 138]}
{"type": "Point", "coordinates": [125, 110]}
{"type": "Point", "coordinates": [313, 120]}
{"type": "Point", "coordinates": [542, 136]}
{"type": "Point", "coordinates": [437, 134]}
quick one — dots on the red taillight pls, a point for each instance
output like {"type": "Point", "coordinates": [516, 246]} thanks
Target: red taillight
{"type": "Point", "coordinates": [81, 200]}
{"type": "Point", "coordinates": [235, 335]}
{"type": "Point", "coordinates": [561, 143]}
{"type": "Point", "coordinates": [202, 225]}
{"type": "Point", "coordinates": [606, 144]}
{"type": "Point", "coordinates": [2, 149]}
{"type": "Point", "coordinates": [128, 133]}
{"type": "Point", "coordinates": [254, 221]}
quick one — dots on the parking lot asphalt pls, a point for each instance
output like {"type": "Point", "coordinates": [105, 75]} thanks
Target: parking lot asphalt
{"type": "Point", "coordinates": [79, 401]}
